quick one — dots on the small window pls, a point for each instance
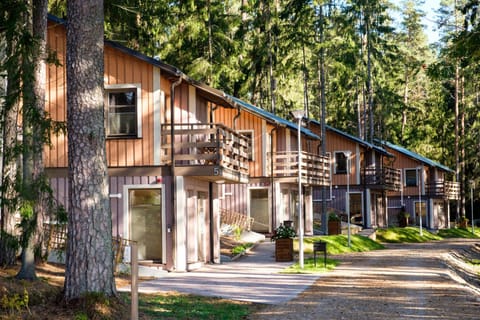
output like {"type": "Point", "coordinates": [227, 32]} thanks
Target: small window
{"type": "Point", "coordinates": [340, 163]}
{"type": "Point", "coordinates": [249, 135]}
{"type": "Point", "coordinates": [411, 177]}
{"type": "Point", "coordinates": [122, 108]}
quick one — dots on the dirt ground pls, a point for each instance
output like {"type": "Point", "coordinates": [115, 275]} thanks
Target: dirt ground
{"type": "Point", "coordinates": [404, 281]}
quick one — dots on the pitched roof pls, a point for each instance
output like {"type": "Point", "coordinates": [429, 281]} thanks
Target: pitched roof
{"type": "Point", "coordinates": [272, 117]}
{"type": "Point", "coordinates": [358, 140]}
{"type": "Point", "coordinates": [416, 156]}
{"type": "Point", "coordinates": [213, 94]}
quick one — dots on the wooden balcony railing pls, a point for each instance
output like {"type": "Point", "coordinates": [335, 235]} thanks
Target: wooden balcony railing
{"type": "Point", "coordinates": [448, 190]}
{"type": "Point", "coordinates": [385, 178]}
{"type": "Point", "coordinates": [315, 168]}
{"type": "Point", "coordinates": [211, 151]}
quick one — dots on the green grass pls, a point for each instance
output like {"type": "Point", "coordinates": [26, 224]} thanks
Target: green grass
{"type": "Point", "coordinates": [183, 306]}
{"type": "Point", "coordinates": [242, 248]}
{"type": "Point", "coordinates": [458, 233]}
{"type": "Point", "coordinates": [339, 244]}
{"type": "Point", "coordinates": [408, 235]}
{"type": "Point", "coordinates": [310, 267]}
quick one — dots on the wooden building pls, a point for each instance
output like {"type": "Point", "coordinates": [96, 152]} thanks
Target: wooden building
{"type": "Point", "coordinates": [166, 156]}
{"type": "Point", "coordinates": [271, 196]}
{"type": "Point", "coordinates": [427, 189]}
{"type": "Point", "coordinates": [363, 168]}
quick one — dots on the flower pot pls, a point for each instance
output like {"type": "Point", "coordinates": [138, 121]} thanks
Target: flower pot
{"type": "Point", "coordinates": [334, 227]}
{"type": "Point", "coordinates": [284, 250]}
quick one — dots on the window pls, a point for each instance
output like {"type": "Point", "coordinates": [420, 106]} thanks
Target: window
{"type": "Point", "coordinates": [411, 177]}
{"type": "Point", "coordinates": [420, 208]}
{"type": "Point", "coordinates": [249, 135]}
{"type": "Point", "coordinates": [122, 106]}
{"type": "Point", "coordinates": [340, 163]}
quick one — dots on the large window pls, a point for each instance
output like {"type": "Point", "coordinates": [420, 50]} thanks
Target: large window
{"type": "Point", "coordinates": [340, 163]}
{"type": "Point", "coordinates": [411, 177]}
{"type": "Point", "coordinates": [123, 112]}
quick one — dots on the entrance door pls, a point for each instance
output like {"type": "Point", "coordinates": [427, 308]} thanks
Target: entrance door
{"type": "Point", "coordinates": [259, 210]}
{"type": "Point", "coordinates": [145, 207]}
{"type": "Point", "coordinates": [356, 206]}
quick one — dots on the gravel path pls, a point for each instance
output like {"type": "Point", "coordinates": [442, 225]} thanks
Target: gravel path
{"type": "Point", "coordinates": [405, 281]}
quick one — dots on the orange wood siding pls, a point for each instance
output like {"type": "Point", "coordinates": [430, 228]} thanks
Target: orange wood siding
{"type": "Point", "coordinates": [246, 121]}
{"type": "Point", "coordinates": [403, 162]}
{"type": "Point", "coordinates": [56, 155]}
{"type": "Point", "coordinates": [336, 142]}
{"type": "Point", "coordinates": [119, 69]}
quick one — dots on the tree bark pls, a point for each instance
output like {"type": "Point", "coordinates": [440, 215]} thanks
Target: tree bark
{"type": "Point", "coordinates": [33, 168]}
{"type": "Point", "coordinates": [10, 169]}
{"type": "Point", "coordinates": [89, 265]}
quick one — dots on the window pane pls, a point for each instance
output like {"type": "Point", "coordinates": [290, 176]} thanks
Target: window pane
{"type": "Point", "coordinates": [340, 162]}
{"type": "Point", "coordinates": [122, 123]}
{"type": "Point", "coordinates": [122, 98]}
{"type": "Point", "coordinates": [410, 177]}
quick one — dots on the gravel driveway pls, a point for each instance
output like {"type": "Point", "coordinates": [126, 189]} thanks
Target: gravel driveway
{"type": "Point", "coordinates": [405, 281]}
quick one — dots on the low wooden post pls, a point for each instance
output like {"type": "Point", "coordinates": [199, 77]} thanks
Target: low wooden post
{"type": "Point", "coordinates": [134, 285]}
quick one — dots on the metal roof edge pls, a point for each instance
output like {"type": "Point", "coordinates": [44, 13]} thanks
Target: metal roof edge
{"type": "Point", "coordinates": [356, 139]}
{"type": "Point", "coordinates": [273, 118]}
{"type": "Point", "coordinates": [417, 156]}
{"type": "Point", "coordinates": [169, 69]}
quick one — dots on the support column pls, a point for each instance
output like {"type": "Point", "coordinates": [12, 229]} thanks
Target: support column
{"type": "Point", "coordinates": [180, 262]}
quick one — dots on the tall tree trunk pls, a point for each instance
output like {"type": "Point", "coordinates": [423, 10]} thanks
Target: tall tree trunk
{"type": "Point", "coordinates": [457, 131]}
{"type": "Point", "coordinates": [10, 113]}
{"type": "Point", "coordinates": [33, 168]}
{"type": "Point", "coordinates": [89, 265]}
{"type": "Point", "coordinates": [405, 102]}
{"type": "Point", "coordinates": [371, 112]}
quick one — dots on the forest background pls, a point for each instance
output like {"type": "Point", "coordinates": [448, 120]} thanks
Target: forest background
{"type": "Point", "coordinates": [343, 62]}
{"type": "Point", "coordinates": [367, 73]}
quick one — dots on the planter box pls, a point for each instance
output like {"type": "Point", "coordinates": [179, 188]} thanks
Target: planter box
{"type": "Point", "coordinates": [283, 250]}
{"type": "Point", "coordinates": [334, 227]}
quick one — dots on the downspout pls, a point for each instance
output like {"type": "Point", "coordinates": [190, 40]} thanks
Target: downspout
{"type": "Point", "coordinates": [235, 118]}
{"type": "Point", "coordinates": [172, 154]}
{"type": "Point", "coordinates": [210, 203]}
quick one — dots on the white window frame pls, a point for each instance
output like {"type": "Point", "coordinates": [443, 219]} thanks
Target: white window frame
{"type": "Point", "coordinates": [120, 87]}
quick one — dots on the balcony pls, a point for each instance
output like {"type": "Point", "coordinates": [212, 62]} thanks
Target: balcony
{"type": "Point", "coordinates": [210, 152]}
{"type": "Point", "coordinates": [385, 178]}
{"type": "Point", "coordinates": [315, 168]}
{"type": "Point", "coordinates": [447, 190]}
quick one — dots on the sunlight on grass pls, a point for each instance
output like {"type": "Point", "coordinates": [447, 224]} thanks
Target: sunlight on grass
{"type": "Point", "coordinates": [408, 235]}
{"type": "Point", "coordinates": [309, 265]}
{"type": "Point", "coordinates": [458, 233]}
{"type": "Point", "coordinates": [339, 244]}
{"type": "Point", "coordinates": [182, 306]}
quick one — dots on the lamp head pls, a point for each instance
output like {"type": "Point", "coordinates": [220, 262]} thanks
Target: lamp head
{"type": "Point", "coordinates": [298, 114]}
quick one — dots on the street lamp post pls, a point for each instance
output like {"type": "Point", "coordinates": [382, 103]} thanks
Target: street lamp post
{"type": "Point", "coordinates": [347, 198]}
{"type": "Point", "coordinates": [420, 198]}
{"type": "Point", "coordinates": [298, 115]}
{"type": "Point", "coordinates": [472, 186]}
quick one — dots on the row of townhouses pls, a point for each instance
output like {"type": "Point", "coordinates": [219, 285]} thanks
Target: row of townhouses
{"type": "Point", "coordinates": [182, 154]}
